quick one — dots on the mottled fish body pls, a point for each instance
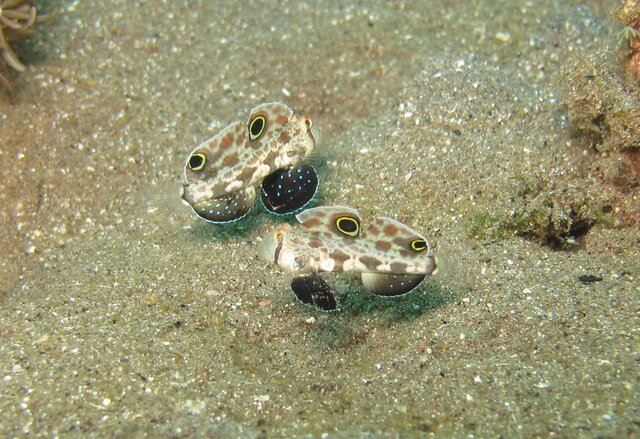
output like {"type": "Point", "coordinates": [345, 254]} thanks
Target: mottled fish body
{"type": "Point", "coordinates": [221, 173]}
{"type": "Point", "coordinates": [392, 257]}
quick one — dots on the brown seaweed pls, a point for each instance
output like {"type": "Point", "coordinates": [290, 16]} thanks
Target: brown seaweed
{"type": "Point", "coordinates": [17, 21]}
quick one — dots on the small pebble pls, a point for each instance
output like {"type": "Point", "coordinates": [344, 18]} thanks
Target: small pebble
{"type": "Point", "coordinates": [589, 278]}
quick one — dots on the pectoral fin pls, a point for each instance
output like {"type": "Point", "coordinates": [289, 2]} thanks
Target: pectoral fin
{"type": "Point", "coordinates": [312, 290]}
{"type": "Point", "coordinates": [228, 208]}
{"type": "Point", "coordinates": [390, 284]}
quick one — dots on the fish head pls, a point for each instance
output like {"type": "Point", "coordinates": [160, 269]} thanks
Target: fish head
{"type": "Point", "coordinates": [303, 137]}
{"type": "Point", "coordinates": [286, 137]}
{"type": "Point", "coordinates": [207, 165]}
{"type": "Point", "coordinates": [282, 248]}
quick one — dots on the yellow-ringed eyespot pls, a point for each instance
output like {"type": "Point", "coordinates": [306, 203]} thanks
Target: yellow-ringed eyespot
{"type": "Point", "coordinates": [256, 126]}
{"type": "Point", "coordinates": [419, 245]}
{"type": "Point", "coordinates": [197, 161]}
{"type": "Point", "coordinates": [347, 225]}
{"type": "Point", "coordinates": [308, 123]}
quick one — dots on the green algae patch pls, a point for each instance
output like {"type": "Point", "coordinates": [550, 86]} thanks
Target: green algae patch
{"type": "Point", "coordinates": [603, 111]}
{"type": "Point", "coordinates": [556, 218]}
{"type": "Point", "coordinates": [482, 225]}
{"type": "Point", "coordinates": [553, 217]}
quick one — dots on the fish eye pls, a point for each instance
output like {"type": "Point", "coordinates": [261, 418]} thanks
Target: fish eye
{"type": "Point", "coordinates": [308, 123]}
{"type": "Point", "coordinates": [348, 226]}
{"type": "Point", "coordinates": [197, 161]}
{"type": "Point", "coordinates": [256, 126]}
{"type": "Point", "coordinates": [418, 245]}
{"type": "Point", "coordinates": [279, 237]}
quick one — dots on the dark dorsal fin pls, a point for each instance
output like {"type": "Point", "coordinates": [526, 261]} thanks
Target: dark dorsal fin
{"type": "Point", "coordinates": [287, 190]}
{"type": "Point", "coordinates": [312, 290]}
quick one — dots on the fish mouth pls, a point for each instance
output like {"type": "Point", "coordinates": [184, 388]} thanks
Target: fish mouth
{"type": "Point", "coordinates": [184, 193]}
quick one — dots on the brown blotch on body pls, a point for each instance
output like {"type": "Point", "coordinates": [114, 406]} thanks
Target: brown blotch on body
{"type": "Point", "coordinates": [390, 229]}
{"type": "Point", "coordinates": [370, 261]}
{"type": "Point", "coordinates": [230, 160]}
{"type": "Point", "coordinates": [257, 144]}
{"type": "Point", "coordinates": [383, 245]}
{"type": "Point", "coordinates": [311, 222]}
{"type": "Point", "coordinates": [315, 243]}
{"type": "Point", "coordinates": [405, 252]}
{"type": "Point", "coordinates": [284, 138]}
{"type": "Point", "coordinates": [398, 267]}
{"type": "Point", "coordinates": [339, 257]}
{"type": "Point", "coordinates": [246, 174]}
{"type": "Point", "coordinates": [282, 120]}
{"type": "Point", "coordinates": [226, 141]}
{"type": "Point", "coordinates": [270, 159]}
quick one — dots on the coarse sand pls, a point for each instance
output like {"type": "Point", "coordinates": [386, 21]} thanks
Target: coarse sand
{"type": "Point", "coordinates": [124, 315]}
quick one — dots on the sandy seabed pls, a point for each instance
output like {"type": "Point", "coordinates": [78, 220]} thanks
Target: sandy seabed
{"type": "Point", "coordinates": [448, 116]}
